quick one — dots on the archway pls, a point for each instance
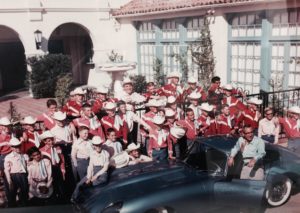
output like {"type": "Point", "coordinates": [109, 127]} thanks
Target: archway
{"type": "Point", "coordinates": [12, 61]}
{"type": "Point", "coordinates": [74, 40]}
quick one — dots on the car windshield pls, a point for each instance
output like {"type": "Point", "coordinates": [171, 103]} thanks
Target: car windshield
{"type": "Point", "coordinates": [205, 158]}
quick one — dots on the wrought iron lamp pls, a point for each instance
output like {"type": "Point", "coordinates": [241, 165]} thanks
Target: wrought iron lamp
{"type": "Point", "coordinates": [38, 39]}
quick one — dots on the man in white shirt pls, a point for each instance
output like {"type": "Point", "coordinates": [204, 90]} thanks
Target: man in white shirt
{"type": "Point", "coordinates": [268, 128]}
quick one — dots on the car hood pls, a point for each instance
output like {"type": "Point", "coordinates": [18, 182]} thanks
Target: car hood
{"type": "Point", "coordinates": [137, 180]}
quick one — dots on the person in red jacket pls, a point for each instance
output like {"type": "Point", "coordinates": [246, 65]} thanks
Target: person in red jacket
{"type": "Point", "coordinates": [193, 87]}
{"type": "Point", "coordinates": [160, 145]}
{"type": "Point", "coordinates": [112, 120]}
{"type": "Point", "coordinates": [91, 121]}
{"type": "Point", "coordinates": [172, 88]}
{"type": "Point", "coordinates": [251, 115]}
{"type": "Point", "coordinates": [55, 155]}
{"type": "Point", "coordinates": [191, 127]}
{"type": "Point", "coordinates": [73, 107]}
{"type": "Point", "coordinates": [291, 127]}
{"type": "Point", "coordinates": [47, 117]}
{"type": "Point", "coordinates": [30, 137]}
{"type": "Point", "coordinates": [225, 122]}
{"type": "Point", "coordinates": [152, 92]}
{"type": "Point", "coordinates": [101, 98]}
{"type": "Point", "coordinates": [235, 105]}
{"type": "Point", "coordinates": [207, 124]}
{"type": "Point", "coordinates": [5, 136]}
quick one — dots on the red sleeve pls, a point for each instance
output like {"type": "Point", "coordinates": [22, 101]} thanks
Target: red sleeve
{"type": "Point", "coordinates": [170, 145]}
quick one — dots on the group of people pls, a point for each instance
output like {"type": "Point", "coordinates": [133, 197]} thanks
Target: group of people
{"type": "Point", "coordinates": [80, 142]}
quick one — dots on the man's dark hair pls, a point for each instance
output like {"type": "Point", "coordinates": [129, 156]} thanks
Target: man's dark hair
{"type": "Point", "coordinates": [33, 150]}
{"type": "Point", "coordinates": [120, 103]}
{"type": "Point", "coordinates": [247, 126]}
{"type": "Point", "coordinates": [215, 79]}
{"type": "Point", "coordinates": [188, 110]}
{"type": "Point", "coordinates": [110, 130]}
{"type": "Point", "coordinates": [86, 105]}
{"type": "Point", "coordinates": [224, 105]}
{"type": "Point", "coordinates": [51, 102]}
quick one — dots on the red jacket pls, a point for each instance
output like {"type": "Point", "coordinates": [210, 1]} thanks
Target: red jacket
{"type": "Point", "coordinates": [198, 90]}
{"type": "Point", "coordinates": [191, 128]}
{"type": "Point", "coordinates": [225, 126]}
{"type": "Point", "coordinates": [5, 149]}
{"type": "Point", "coordinates": [109, 122]}
{"type": "Point", "coordinates": [208, 125]}
{"type": "Point", "coordinates": [71, 108]}
{"type": "Point", "coordinates": [46, 152]}
{"type": "Point", "coordinates": [95, 129]}
{"type": "Point", "coordinates": [290, 127]}
{"type": "Point", "coordinates": [153, 140]}
{"type": "Point", "coordinates": [235, 105]}
{"type": "Point", "coordinates": [48, 121]}
{"type": "Point", "coordinates": [248, 117]}
{"type": "Point", "coordinates": [29, 143]}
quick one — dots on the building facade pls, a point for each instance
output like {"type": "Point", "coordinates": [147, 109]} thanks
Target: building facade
{"type": "Point", "coordinates": [256, 43]}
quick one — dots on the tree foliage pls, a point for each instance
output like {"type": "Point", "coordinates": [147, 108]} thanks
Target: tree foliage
{"type": "Point", "coordinates": [202, 55]}
{"type": "Point", "coordinates": [45, 72]}
{"type": "Point", "coordinates": [159, 75]}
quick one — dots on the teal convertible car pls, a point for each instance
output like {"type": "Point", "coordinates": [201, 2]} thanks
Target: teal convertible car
{"type": "Point", "coordinates": [202, 182]}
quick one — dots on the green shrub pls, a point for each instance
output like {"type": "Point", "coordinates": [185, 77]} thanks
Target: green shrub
{"type": "Point", "coordinates": [46, 70]}
{"type": "Point", "coordinates": [63, 87]}
{"type": "Point", "coordinates": [139, 83]}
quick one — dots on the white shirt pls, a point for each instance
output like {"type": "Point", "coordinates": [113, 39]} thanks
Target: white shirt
{"type": "Point", "coordinates": [97, 159]}
{"type": "Point", "coordinates": [268, 127]}
{"type": "Point", "coordinates": [113, 148]}
{"type": "Point", "coordinates": [81, 149]}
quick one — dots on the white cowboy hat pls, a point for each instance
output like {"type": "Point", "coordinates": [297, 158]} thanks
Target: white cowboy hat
{"type": "Point", "coordinates": [120, 160]}
{"type": "Point", "coordinates": [177, 132]}
{"type": "Point", "coordinates": [110, 106]}
{"type": "Point", "coordinates": [127, 81]}
{"type": "Point", "coordinates": [29, 120]}
{"type": "Point", "coordinates": [97, 140]}
{"type": "Point", "coordinates": [228, 87]}
{"type": "Point", "coordinates": [158, 119]}
{"type": "Point", "coordinates": [151, 80]}
{"type": "Point", "coordinates": [46, 134]}
{"type": "Point", "coordinates": [14, 142]}
{"type": "Point", "coordinates": [5, 121]}
{"type": "Point", "coordinates": [174, 75]}
{"type": "Point", "coordinates": [101, 89]}
{"type": "Point", "coordinates": [192, 80]}
{"type": "Point", "coordinates": [132, 147]}
{"type": "Point", "coordinates": [78, 91]}
{"type": "Point", "coordinates": [153, 103]}
{"type": "Point", "coordinates": [171, 100]}
{"type": "Point", "coordinates": [72, 93]}
{"type": "Point", "coordinates": [294, 109]}
{"type": "Point", "coordinates": [37, 192]}
{"type": "Point", "coordinates": [206, 107]}
{"type": "Point", "coordinates": [59, 115]}
{"type": "Point", "coordinates": [255, 101]}
{"type": "Point", "coordinates": [194, 95]}
{"type": "Point", "coordinates": [169, 112]}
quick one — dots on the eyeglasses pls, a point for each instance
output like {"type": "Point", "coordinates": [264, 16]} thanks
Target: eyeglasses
{"type": "Point", "coordinates": [271, 113]}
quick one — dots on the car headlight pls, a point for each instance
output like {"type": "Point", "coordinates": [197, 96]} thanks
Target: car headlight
{"type": "Point", "coordinates": [113, 207]}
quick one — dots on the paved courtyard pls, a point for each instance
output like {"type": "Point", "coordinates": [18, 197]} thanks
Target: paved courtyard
{"type": "Point", "coordinates": [24, 104]}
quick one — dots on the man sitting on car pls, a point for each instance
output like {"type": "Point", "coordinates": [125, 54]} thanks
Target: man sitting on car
{"type": "Point", "coordinates": [253, 150]}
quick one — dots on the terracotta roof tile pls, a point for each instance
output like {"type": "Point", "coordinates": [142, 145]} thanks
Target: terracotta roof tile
{"type": "Point", "coordinates": [140, 7]}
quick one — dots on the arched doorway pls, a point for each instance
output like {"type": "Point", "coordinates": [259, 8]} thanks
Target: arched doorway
{"type": "Point", "coordinates": [73, 40]}
{"type": "Point", "coordinates": [12, 61]}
